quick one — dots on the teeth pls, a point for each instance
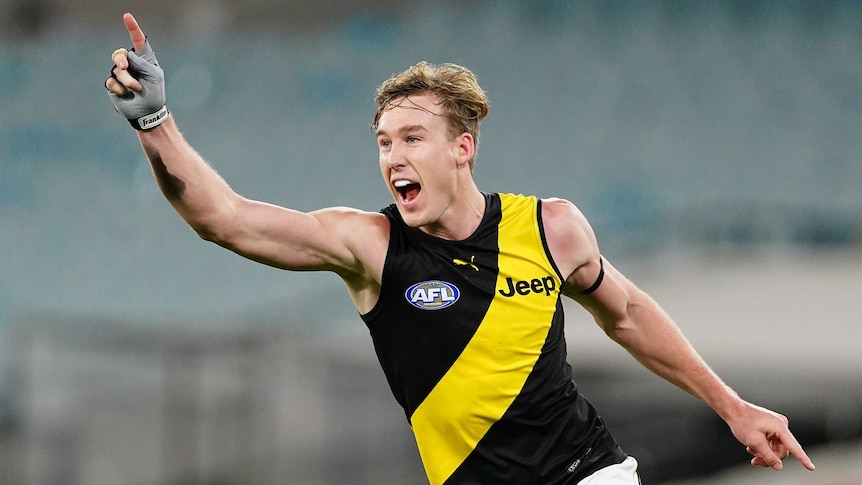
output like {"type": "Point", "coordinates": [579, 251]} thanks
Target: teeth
{"type": "Point", "coordinates": [401, 183]}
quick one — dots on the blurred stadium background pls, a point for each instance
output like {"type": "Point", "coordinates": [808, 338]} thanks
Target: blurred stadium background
{"type": "Point", "coordinates": [715, 146]}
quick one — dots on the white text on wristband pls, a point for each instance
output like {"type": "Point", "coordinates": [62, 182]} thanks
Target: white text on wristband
{"type": "Point", "coordinates": [151, 120]}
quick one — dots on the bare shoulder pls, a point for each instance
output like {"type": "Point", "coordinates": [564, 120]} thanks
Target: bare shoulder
{"type": "Point", "coordinates": [366, 235]}
{"type": "Point", "coordinates": [357, 227]}
{"type": "Point", "coordinates": [571, 241]}
{"type": "Point", "coordinates": [353, 218]}
{"type": "Point", "coordinates": [564, 223]}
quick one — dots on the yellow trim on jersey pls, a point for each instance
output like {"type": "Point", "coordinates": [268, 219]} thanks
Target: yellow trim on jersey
{"type": "Point", "coordinates": [491, 371]}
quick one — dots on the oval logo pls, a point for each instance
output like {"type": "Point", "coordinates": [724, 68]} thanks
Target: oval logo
{"type": "Point", "coordinates": [432, 295]}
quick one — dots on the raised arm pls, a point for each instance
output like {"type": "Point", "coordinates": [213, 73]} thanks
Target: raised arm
{"type": "Point", "coordinates": [277, 236]}
{"type": "Point", "coordinates": [635, 321]}
{"type": "Point", "coordinates": [323, 240]}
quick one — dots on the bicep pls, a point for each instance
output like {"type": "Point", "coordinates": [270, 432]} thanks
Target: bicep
{"type": "Point", "coordinates": [590, 279]}
{"type": "Point", "coordinates": [573, 247]}
{"type": "Point", "coordinates": [290, 239]}
{"type": "Point", "coordinates": [609, 303]}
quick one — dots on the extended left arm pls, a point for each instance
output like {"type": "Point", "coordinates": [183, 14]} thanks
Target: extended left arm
{"type": "Point", "coordinates": [634, 320]}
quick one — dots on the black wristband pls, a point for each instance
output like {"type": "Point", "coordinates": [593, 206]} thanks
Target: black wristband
{"type": "Point", "coordinates": [151, 120]}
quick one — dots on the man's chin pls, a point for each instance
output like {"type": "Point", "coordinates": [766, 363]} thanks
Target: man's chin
{"type": "Point", "coordinates": [410, 216]}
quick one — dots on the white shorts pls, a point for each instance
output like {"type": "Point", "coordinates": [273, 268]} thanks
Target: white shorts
{"type": "Point", "coordinates": [625, 473]}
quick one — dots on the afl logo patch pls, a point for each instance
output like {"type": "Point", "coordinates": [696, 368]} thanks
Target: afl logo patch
{"type": "Point", "coordinates": [432, 295]}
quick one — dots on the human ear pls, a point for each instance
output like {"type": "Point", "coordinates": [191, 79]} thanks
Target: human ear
{"type": "Point", "coordinates": [465, 148]}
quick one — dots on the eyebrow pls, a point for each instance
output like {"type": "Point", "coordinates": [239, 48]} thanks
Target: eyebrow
{"type": "Point", "coordinates": [404, 129]}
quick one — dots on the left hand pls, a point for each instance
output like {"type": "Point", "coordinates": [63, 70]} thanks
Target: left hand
{"type": "Point", "coordinates": [767, 437]}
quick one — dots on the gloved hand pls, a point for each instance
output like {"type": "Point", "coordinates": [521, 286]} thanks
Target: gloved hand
{"type": "Point", "coordinates": [136, 86]}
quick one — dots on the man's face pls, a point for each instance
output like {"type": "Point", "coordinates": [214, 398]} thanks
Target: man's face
{"type": "Point", "coordinates": [418, 159]}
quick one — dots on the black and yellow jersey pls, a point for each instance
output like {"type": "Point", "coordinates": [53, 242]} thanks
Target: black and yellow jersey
{"type": "Point", "coordinates": [470, 336]}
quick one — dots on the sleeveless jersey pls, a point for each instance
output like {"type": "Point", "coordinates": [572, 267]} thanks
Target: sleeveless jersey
{"type": "Point", "coordinates": [470, 337]}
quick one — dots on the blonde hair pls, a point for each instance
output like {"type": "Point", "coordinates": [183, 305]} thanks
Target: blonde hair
{"type": "Point", "coordinates": [463, 101]}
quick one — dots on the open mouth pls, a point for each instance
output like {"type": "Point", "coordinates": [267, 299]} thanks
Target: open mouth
{"type": "Point", "coordinates": [407, 190]}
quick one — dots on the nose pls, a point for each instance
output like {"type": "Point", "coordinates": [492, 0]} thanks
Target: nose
{"type": "Point", "coordinates": [394, 159]}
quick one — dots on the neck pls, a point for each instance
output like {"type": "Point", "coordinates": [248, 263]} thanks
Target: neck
{"type": "Point", "coordinates": [462, 217]}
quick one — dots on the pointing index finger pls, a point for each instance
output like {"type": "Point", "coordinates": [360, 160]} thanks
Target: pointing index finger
{"type": "Point", "coordinates": [135, 32]}
{"type": "Point", "coordinates": [796, 450]}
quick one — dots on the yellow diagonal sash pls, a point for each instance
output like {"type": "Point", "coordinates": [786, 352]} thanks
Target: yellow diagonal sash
{"type": "Point", "coordinates": [491, 371]}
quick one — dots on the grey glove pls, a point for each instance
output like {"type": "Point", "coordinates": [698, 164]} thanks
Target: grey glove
{"type": "Point", "coordinates": [145, 109]}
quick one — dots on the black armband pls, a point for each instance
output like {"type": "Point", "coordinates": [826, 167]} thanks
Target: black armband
{"type": "Point", "coordinates": [598, 279]}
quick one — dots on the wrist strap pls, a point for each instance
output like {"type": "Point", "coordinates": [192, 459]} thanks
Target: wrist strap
{"type": "Point", "coordinates": [151, 120]}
